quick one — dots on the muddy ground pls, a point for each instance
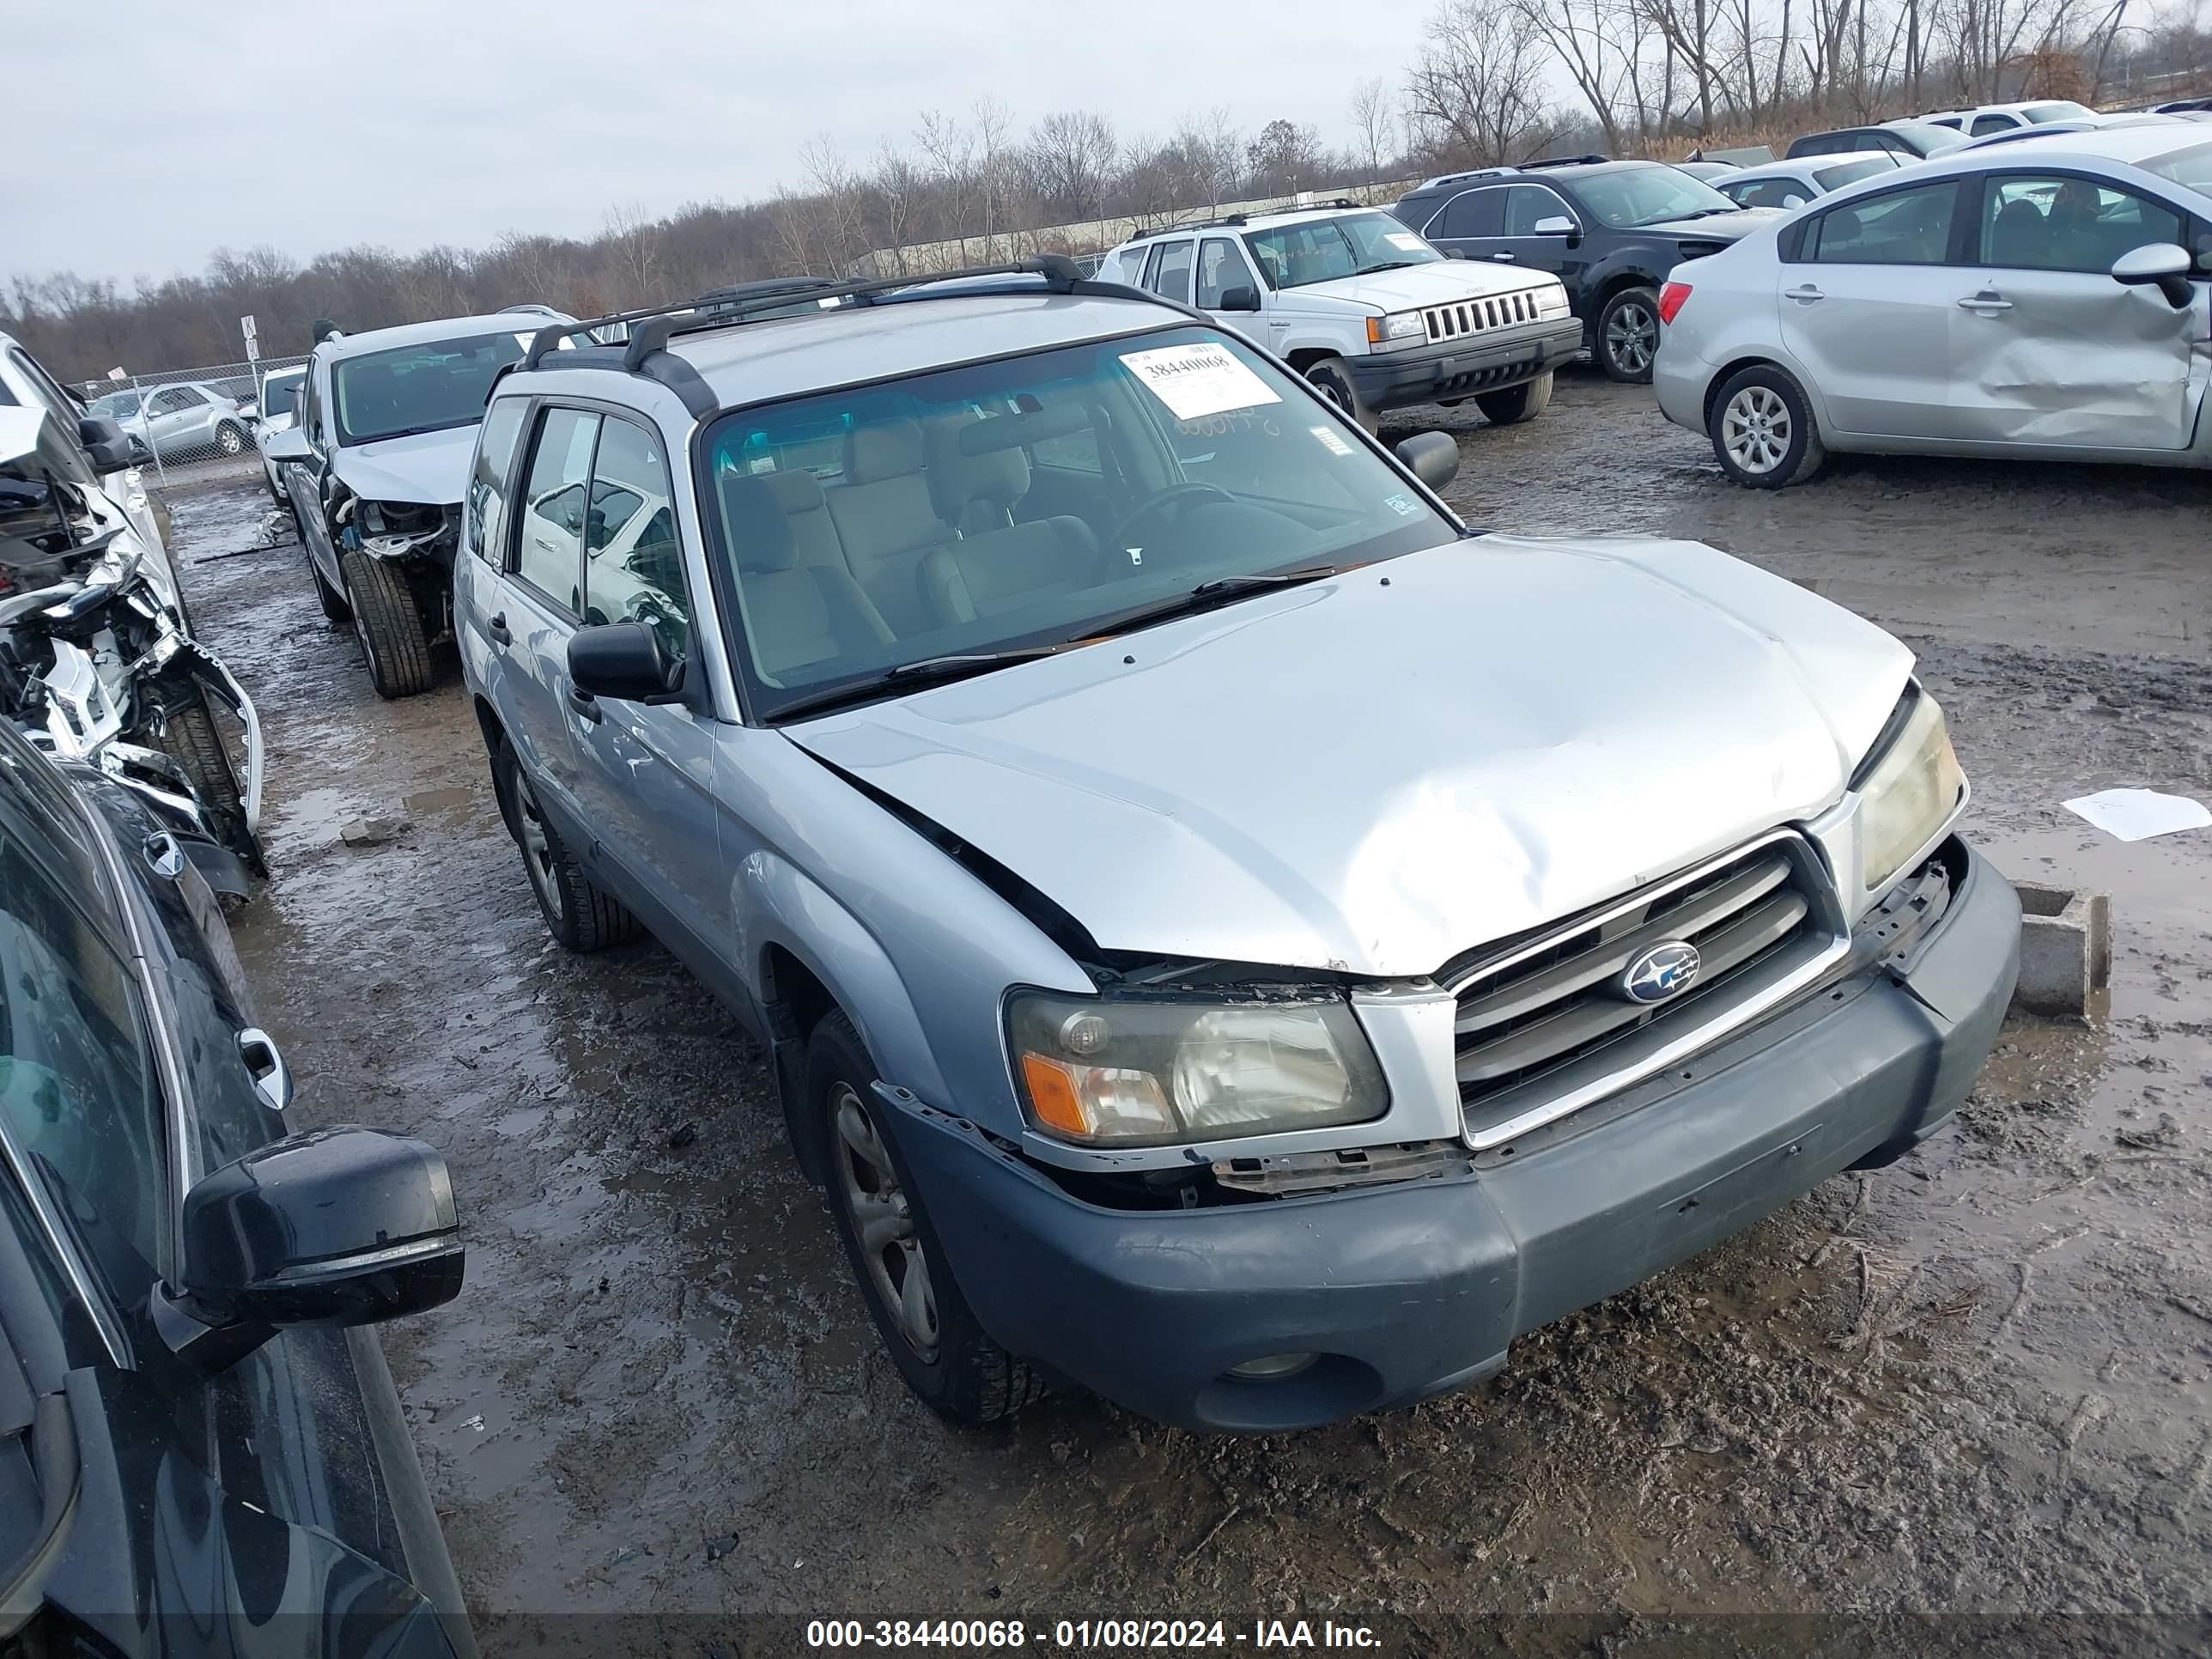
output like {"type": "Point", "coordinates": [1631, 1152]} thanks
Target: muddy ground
{"type": "Point", "coordinates": [1977, 1383]}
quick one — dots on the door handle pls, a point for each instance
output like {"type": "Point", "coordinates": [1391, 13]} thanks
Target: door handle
{"type": "Point", "coordinates": [585, 705]}
{"type": "Point", "coordinates": [497, 628]}
{"type": "Point", "coordinates": [1985, 302]}
{"type": "Point", "coordinates": [1507, 258]}
{"type": "Point", "coordinates": [1804, 294]}
{"type": "Point", "coordinates": [272, 1078]}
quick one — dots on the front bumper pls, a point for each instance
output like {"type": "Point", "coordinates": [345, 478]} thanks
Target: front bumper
{"type": "Point", "coordinates": [1409, 1289]}
{"type": "Point", "coordinates": [1460, 369]}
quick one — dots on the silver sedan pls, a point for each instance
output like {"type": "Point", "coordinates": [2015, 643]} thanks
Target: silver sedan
{"type": "Point", "coordinates": [2049, 298]}
{"type": "Point", "coordinates": [1793, 183]}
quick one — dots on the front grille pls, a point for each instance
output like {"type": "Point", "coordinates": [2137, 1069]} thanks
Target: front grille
{"type": "Point", "coordinates": [1548, 1021]}
{"type": "Point", "coordinates": [1465, 317]}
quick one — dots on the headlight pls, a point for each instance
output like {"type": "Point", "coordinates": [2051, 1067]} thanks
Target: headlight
{"type": "Point", "coordinates": [1401, 328]}
{"type": "Point", "coordinates": [1906, 798]}
{"type": "Point", "coordinates": [1551, 301]}
{"type": "Point", "coordinates": [1147, 1073]}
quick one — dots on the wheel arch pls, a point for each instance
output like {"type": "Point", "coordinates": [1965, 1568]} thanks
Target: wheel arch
{"type": "Point", "coordinates": [1736, 366]}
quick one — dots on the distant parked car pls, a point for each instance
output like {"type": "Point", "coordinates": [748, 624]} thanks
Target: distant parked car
{"type": "Point", "coordinates": [189, 421]}
{"type": "Point", "coordinates": [205, 1455]}
{"type": "Point", "coordinates": [1363, 308]}
{"type": "Point", "coordinates": [2182, 106]}
{"type": "Point", "coordinates": [2016, 135]}
{"type": "Point", "coordinates": [1611, 230]}
{"type": "Point", "coordinates": [1983, 119]}
{"type": "Point", "coordinates": [1793, 183]}
{"type": "Point", "coordinates": [275, 411]}
{"type": "Point", "coordinates": [2045, 300]}
{"type": "Point", "coordinates": [1914, 138]}
{"type": "Point", "coordinates": [1710, 172]}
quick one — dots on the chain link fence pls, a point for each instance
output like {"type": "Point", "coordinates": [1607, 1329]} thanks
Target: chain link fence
{"type": "Point", "coordinates": [193, 425]}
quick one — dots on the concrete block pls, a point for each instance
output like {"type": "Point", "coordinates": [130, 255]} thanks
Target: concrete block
{"type": "Point", "coordinates": [2065, 949]}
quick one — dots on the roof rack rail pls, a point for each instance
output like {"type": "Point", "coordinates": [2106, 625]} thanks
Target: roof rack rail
{"type": "Point", "coordinates": [1563, 161]}
{"type": "Point", "coordinates": [1444, 179]}
{"type": "Point", "coordinates": [1235, 221]}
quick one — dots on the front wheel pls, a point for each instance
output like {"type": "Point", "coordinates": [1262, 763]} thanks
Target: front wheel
{"type": "Point", "coordinates": [940, 1350]}
{"type": "Point", "coordinates": [577, 913]}
{"type": "Point", "coordinates": [229, 439]}
{"type": "Point", "coordinates": [1627, 335]}
{"type": "Point", "coordinates": [389, 625]}
{"type": "Point", "coordinates": [1333, 380]}
{"type": "Point", "coordinates": [190, 738]}
{"type": "Point", "coordinates": [1517, 403]}
{"type": "Point", "coordinates": [1763, 432]}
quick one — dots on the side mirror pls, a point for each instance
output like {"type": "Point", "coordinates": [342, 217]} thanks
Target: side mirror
{"type": "Point", "coordinates": [623, 660]}
{"type": "Point", "coordinates": [1243, 297]}
{"type": "Point", "coordinates": [2162, 265]}
{"type": "Point", "coordinates": [1431, 457]}
{"type": "Point", "coordinates": [342, 1226]}
{"type": "Point", "coordinates": [289, 444]}
{"type": "Point", "coordinates": [106, 443]}
{"type": "Point", "coordinates": [1557, 225]}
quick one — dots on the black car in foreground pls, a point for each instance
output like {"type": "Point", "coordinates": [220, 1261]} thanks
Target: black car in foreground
{"type": "Point", "coordinates": [201, 1452]}
{"type": "Point", "coordinates": [1612, 231]}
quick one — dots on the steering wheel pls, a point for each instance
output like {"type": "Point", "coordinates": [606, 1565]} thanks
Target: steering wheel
{"type": "Point", "coordinates": [1176, 497]}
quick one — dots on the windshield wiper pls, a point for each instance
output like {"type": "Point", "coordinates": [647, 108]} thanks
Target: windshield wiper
{"type": "Point", "coordinates": [1388, 265]}
{"type": "Point", "coordinates": [411, 431]}
{"type": "Point", "coordinates": [958, 665]}
{"type": "Point", "coordinates": [1205, 595]}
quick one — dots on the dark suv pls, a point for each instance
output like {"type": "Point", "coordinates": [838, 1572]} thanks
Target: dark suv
{"type": "Point", "coordinates": [199, 1442]}
{"type": "Point", "coordinates": [1611, 230]}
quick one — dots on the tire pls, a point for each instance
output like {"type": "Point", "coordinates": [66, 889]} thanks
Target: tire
{"type": "Point", "coordinates": [577, 913]}
{"type": "Point", "coordinates": [1517, 403]}
{"type": "Point", "coordinates": [1625, 336]}
{"type": "Point", "coordinates": [388, 625]}
{"type": "Point", "coordinates": [333, 602]}
{"type": "Point", "coordinates": [189, 738]}
{"type": "Point", "coordinates": [1763, 432]}
{"type": "Point", "coordinates": [229, 439]}
{"type": "Point", "coordinates": [1333, 381]}
{"type": "Point", "coordinates": [926, 1323]}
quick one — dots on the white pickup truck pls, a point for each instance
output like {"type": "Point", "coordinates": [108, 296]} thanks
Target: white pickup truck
{"type": "Point", "coordinates": [1363, 308]}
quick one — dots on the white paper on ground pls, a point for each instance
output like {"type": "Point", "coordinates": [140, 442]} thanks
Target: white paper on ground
{"type": "Point", "coordinates": [1197, 381]}
{"type": "Point", "coordinates": [2134, 814]}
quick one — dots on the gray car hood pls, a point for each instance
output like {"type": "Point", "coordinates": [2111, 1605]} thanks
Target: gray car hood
{"type": "Point", "coordinates": [1375, 778]}
{"type": "Point", "coordinates": [430, 466]}
{"type": "Point", "coordinates": [1719, 227]}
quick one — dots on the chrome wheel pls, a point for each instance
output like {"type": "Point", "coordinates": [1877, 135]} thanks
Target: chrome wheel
{"type": "Point", "coordinates": [1755, 430]}
{"type": "Point", "coordinates": [228, 440]}
{"type": "Point", "coordinates": [1632, 337]}
{"type": "Point", "coordinates": [1327, 387]}
{"type": "Point", "coordinates": [537, 853]}
{"type": "Point", "coordinates": [883, 1219]}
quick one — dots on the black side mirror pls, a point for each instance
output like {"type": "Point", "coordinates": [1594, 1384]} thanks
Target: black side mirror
{"type": "Point", "coordinates": [106, 443]}
{"type": "Point", "coordinates": [1431, 457]}
{"type": "Point", "coordinates": [2162, 265]}
{"type": "Point", "coordinates": [623, 660]}
{"type": "Point", "coordinates": [1243, 297]}
{"type": "Point", "coordinates": [342, 1226]}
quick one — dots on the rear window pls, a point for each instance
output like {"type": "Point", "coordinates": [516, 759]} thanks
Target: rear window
{"type": "Point", "coordinates": [277, 396]}
{"type": "Point", "coordinates": [2192, 166]}
{"type": "Point", "coordinates": [2060, 111]}
{"type": "Point", "coordinates": [1850, 173]}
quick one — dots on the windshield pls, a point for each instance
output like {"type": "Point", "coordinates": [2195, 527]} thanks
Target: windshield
{"type": "Point", "coordinates": [1648, 194]}
{"type": "Point", "coordinates": [115, 406]}
{"type": "Point", "coordinates": [1850, 173]}
{"type": "Point", "coordinates": [2062, 111]}
{"type": "Point", "coordinates": [419, 388]}
{"type": "Point", "coordinates": [1926, 139]}
{"type": "Point", "coordinates": [1033, 501]}
{"type": "Point", "coordinates": [1348, 245]}
{"type": "Point", "coordinates": [278, 392]}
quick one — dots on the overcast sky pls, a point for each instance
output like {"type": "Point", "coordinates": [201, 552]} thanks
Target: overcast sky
{"type": "Point", "coordinates": [168, 130]}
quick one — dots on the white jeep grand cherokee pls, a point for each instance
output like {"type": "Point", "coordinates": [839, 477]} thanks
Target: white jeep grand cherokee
{"type": "Point", "coordinates": [1370, 313]}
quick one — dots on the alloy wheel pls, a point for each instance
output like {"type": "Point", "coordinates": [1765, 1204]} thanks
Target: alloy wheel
{"type": "Point", "coordinates": [228, 440]}
{"type": "Point", "coordinates": [537, 855]}
{"type": "Point", "coordinates": [898, 1266]}
{"type": "Point", "coordinates": [1632, 337]}
{"type": "Point", "coordinates": [1755, 430]}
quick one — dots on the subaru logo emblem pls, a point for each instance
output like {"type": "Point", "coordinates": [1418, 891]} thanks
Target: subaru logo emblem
{"type": "Point", "coordinates": [1663, 971]}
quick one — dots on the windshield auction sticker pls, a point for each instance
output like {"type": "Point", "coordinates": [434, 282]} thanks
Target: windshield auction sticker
{"type": "Point", "coordinates": [1198, 380]}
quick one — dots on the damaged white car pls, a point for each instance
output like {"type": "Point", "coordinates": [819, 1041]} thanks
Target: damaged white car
{"type": "Point", "coordinates": [373, 471]}
{"type": "Point", "coordinates": [2048, 300]}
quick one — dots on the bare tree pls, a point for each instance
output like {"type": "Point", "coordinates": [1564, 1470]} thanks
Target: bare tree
{"type": "Point", "coordinates": [633, 239]}
{"type": "Point", "coordinates": [1072, 154]}
{"type": "Point", "coordinates": [1477, 87]}
{"type": "Point", "coordinates": [1375, 126]}
{"type": "Point", "coordinates": [1594, 41]}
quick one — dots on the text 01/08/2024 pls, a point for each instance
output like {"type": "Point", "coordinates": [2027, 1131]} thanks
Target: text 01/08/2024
{"type": "Point", "coordinates": [1086, 1635]}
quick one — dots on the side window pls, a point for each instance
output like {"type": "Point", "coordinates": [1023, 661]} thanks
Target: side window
{"type": "Point", "coordinates": [1170, 277]}
{"type": "Point", "coordinates": [633, 564]}
{"type": "Point", "coordinates": [1905, 227]}
{"type": "Point", "coordinates": [169, 400]}
{"type": "Point", "coordinates": [1150, 258]}
{"type": "Point", "coordinates": [549, 551]}
{"type": "Point", "coordinates": [1985, 125]}
{"type": "Point", "coordinates": [1527, 204]}
{"type": "Point", "coordinates": [1220, 267]}
{"type": "Point", "coordinates": [486, 506]}
{"type": "Point", "coordinates": [1770, 192]}
{"type": "Point", "coordinates": [2067, 224]}
{"type": "Point", "coordinates": [1474, 213]}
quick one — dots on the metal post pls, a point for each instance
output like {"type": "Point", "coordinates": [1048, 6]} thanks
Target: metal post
{"type": "Point", "coordinates": [152, 443]}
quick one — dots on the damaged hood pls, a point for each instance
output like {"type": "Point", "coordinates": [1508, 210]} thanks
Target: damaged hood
{"type": "Point", "coordinates": [430, 467]}
{"type": "Point", "coordinates": [1375, 778]}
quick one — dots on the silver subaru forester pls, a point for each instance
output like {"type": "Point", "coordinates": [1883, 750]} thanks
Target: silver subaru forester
{"type": "Point", "coordinates": [1229, 935]}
